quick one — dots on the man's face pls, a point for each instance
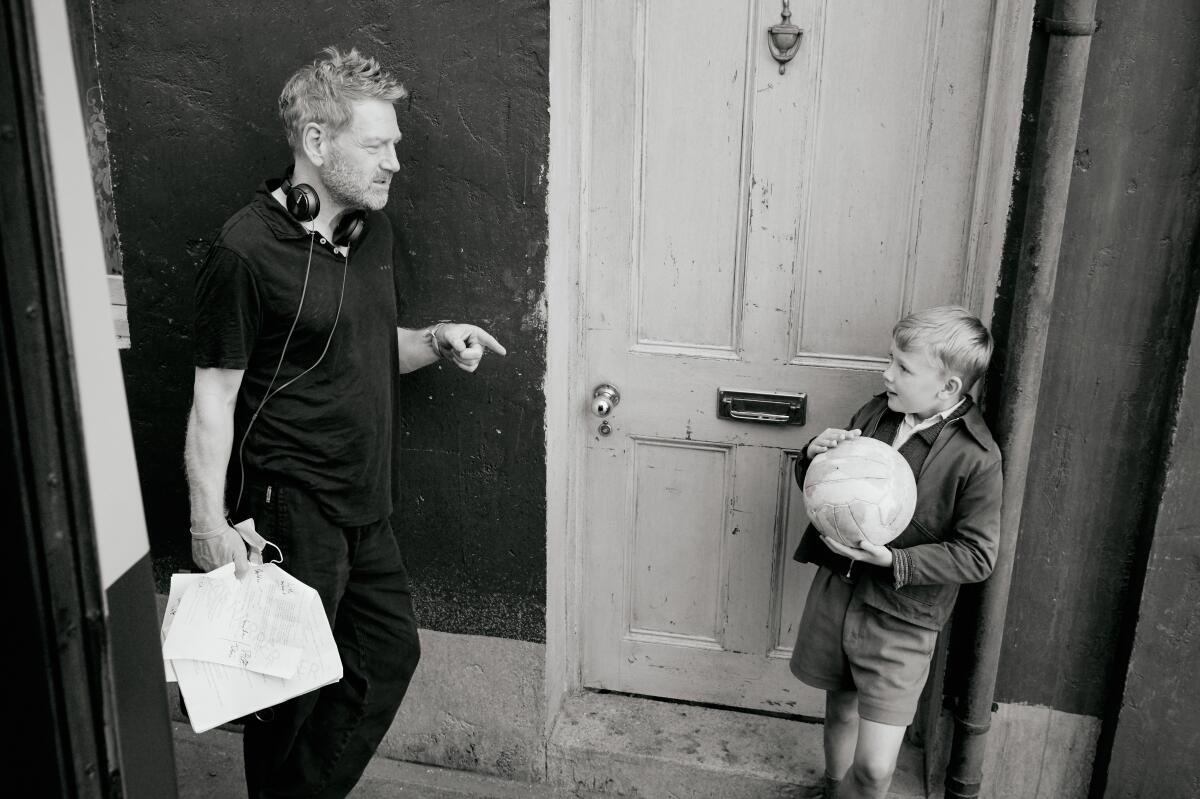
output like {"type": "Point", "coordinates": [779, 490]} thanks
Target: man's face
{"type": "Point", "coordinates": [362, 157]}
{"type": "Point", "coordinates": [915, 384]}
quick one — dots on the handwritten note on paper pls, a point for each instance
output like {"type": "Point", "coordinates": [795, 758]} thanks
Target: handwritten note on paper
{"type": "Point", "coordinates": [254, 623]}
{"type": "Point", "coordinates": [216, 693]}
{"type": "Point", "coordinates": [180, 583]}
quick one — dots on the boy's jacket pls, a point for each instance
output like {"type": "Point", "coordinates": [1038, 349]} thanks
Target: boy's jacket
{"type": "Point", "coordinates": [955, 530]}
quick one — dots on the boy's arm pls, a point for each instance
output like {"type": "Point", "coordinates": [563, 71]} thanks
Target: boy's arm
{"type": "Point", "coordinates": [855, 428]}
{"type": "Point", "coordinates": [970, 554]}
{"type": "Point", "coordinates": [818, 445]}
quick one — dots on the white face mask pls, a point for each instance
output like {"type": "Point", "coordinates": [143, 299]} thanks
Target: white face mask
{"type": "Point", "coordinates": [256, 542]}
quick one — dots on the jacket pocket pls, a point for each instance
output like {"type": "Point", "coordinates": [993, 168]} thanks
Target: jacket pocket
{"type": "Point", "coordinates": [925, 594]}
{"type": "Point", "coordinates": [915, 534]}
{"type": "Point", "coordinates": [929, 535]}
{"type": "Point", "coordinates": [926, 606]}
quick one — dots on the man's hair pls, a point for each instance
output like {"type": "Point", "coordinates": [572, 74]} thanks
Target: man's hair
{"type": "Point", "coordinates": [325, 91]}
{"type": "Point", "coordinates": [955, 339]}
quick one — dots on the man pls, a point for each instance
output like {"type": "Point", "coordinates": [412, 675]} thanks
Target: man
{"type": "Point", "coordinates": [294, 413]}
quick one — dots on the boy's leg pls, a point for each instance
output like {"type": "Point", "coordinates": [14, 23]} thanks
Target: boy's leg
{"type": "Point", "coordinates": [889, 658]}
{"type": "Point", "coordinates": [818, 660]}
{"type": "Point", "coordinates": [875, 755]}
{"type": "Point", "coordinates": [841, 732]}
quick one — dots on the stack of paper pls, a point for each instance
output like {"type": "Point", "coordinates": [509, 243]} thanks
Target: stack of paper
{"type": "Point", "coordinates": [238, 646]}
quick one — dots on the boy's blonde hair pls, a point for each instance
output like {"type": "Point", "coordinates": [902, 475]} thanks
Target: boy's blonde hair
{"type": "Point", "coordinates": [325, 91]}
{"type": "Point", "coordinates": [955, 339]}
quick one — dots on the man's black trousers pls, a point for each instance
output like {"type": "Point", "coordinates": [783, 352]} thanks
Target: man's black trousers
{"type": "Point", "coordinates": [318, 744]}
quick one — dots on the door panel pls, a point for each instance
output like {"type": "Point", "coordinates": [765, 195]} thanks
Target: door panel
{"type": "Point", "coordinates": [689, 150]}
{"type": "Point", "coordinates": [747, 229]}
{"type": "Point", "coordinates": [678, 502]}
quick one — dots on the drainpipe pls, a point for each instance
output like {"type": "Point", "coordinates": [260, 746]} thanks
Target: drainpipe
{"type": "Point", "coordinates": [1070, 28]}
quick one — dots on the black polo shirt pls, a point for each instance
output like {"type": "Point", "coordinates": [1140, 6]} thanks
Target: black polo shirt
{"type": "Point", "coordinates": [332, 431]}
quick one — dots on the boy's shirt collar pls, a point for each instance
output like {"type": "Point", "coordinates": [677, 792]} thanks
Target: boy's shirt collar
{"type": "Point", "coordinates": [971, 420]}
{"type": "Point", "coordinates": [912, 421]}
{"type": "Point", "coordinates": [910, 425]}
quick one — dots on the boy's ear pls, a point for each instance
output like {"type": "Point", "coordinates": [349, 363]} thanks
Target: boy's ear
{"type": "Point", "coordinates": [953, 386]}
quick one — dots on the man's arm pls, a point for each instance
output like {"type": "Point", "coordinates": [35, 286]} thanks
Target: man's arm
{"type": "Point", "coordinates": [462, 343]}
{"type": "Point", "coordinates": [206, 455]}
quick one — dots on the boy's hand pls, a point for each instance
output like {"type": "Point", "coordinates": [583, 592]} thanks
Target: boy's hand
{"type": "Point", "coordinates": [829, 439]}
{"type": "Point", "coordinates": [865, 552]}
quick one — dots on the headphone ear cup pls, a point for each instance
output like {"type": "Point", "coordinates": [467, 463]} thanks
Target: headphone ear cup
{"type": "Point", "coordinates": [303, 202]}
{"type": "Point", "coordinates": [350, 229]}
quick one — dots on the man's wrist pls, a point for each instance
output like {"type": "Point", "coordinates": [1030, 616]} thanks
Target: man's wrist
{"type": "Point", "coordinates": [439, 349]}
{"type": "Point", "coordinates": [209, 527]}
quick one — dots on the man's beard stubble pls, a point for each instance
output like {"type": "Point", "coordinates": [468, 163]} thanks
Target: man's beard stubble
{"type": "Point", "coordinates": [345, 185]}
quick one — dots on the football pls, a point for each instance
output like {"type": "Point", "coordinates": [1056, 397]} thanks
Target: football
{"type": "Point", "coordinates": [861, 489]}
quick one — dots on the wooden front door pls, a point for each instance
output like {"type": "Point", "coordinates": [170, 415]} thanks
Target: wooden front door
{"type": "Point", "coordinates": [747, 229]}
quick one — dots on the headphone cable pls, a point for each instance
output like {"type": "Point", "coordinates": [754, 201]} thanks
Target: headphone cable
{"type": "Point", "coordinates": [283, 352]}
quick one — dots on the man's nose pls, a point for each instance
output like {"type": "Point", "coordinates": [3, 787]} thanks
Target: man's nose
{"type": "Point", "coordinates": [391, 161]}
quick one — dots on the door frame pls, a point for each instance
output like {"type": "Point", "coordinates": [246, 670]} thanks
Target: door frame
{"type": "Point", "coordinates": [566, 388]}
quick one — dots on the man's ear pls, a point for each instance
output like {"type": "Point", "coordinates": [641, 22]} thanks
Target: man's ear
{"type": "Point", "coordinates": [314, 143]}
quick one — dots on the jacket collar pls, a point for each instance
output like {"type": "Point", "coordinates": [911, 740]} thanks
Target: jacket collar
{"type": "Point", "coordinates": [970, 421]}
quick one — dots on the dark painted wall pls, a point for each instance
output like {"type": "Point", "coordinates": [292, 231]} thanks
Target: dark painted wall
{"type": "Point", "coordinates": [1120, 323]}
{"type": "Point", "coordinates": [1156, 720]}
{"type": "Point", "coordinates": [190, 91]}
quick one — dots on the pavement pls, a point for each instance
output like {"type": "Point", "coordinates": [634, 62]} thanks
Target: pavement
{"type": "Point", "coordinates": [209, 766]}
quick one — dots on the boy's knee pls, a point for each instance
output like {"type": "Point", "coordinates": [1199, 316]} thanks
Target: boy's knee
{"type": "Point", "coordinates": [873, 771]}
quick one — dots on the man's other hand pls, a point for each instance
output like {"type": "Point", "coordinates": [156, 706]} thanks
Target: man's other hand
{"type": "Point", "coordinates": [465, 344]}
{"type": "Point", "coordinates": [213, 553]}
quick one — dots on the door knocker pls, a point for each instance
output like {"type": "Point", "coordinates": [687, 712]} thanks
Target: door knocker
{"type": "Point", "coordinates": [784, 38]}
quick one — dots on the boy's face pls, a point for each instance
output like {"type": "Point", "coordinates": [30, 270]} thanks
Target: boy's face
{"type": "Point", "coordinates": [916, 385]}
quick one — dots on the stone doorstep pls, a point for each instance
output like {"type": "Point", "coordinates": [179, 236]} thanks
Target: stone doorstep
{"type": "Point", "coordinates": [601, 744]}
{"type": "Point", "coordinates": [635, 747]}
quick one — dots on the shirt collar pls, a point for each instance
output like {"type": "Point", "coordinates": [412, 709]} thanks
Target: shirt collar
{"type": "Point", "coordinates": [927, 429]}
{"type": "Point", "coordinates": [913, 421]}
{"type": "Point", "coordinates": [282, 224]}
{"type": "Point", "coordinates": [970, 418]}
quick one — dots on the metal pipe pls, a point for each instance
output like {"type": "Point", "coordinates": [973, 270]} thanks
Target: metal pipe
{"type": "Point", "coordinates": [1070, 29]}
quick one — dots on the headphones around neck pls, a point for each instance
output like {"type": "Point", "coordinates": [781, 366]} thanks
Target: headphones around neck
{"type": "Point", "coordinates": [303, 203]}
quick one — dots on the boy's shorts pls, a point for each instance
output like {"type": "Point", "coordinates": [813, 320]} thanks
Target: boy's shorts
{"type": "Point", "coordinates": [844, 645]}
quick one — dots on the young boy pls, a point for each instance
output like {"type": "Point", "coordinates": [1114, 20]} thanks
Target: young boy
{"type": "Point", "coordinates": [873, 613]}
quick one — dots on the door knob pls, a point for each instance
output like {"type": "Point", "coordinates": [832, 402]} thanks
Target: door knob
{"type": "Point", "coordinates": [604, 399]}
